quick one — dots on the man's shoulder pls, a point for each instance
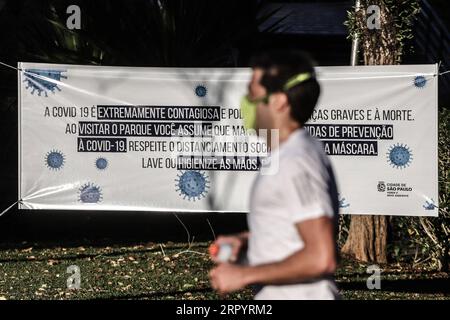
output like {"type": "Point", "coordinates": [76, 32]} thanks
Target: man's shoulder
{"type": "Point", "coordinates": [294, 164]}
{"type": "Point", "coordinates": [308, 158]}
{"type": "Point", "coordinates": [302, 141]}
{"type": "Point", "coordinates": [306, 149]}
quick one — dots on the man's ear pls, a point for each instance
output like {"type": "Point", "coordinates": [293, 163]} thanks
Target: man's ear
{"type": "Point", "coordinates": [279, 101]}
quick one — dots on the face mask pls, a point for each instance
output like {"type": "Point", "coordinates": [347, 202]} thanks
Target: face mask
{"type": "Point", "coordinates": [248, 111]}
{"type": "Point", "coordinates": [248, 107]}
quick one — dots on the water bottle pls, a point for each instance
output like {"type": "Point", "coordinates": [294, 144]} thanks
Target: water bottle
{"type": "Point", "coordinates": [221, 252]}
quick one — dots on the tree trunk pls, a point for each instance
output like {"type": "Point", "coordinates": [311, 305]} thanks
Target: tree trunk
{"type": "Point", "coordinates": [367, 236]}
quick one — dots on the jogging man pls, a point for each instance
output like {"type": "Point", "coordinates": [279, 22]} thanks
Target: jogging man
{"type": "Point", "coordinates": [292, 250]}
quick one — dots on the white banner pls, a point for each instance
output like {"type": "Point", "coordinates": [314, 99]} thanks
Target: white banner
{"type": "Point", "coordinates": [166, 139]}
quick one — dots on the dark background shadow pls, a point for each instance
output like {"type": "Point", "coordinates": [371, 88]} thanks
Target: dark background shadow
{"type": "Point", "coordinates": [49, 228]}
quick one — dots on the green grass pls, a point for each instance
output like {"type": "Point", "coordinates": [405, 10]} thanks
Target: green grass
{"type": "Point", "coordinates": [171, 271]}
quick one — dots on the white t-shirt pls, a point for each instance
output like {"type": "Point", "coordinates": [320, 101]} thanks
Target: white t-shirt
{"type": "Point", "coordinates": [303, 188]}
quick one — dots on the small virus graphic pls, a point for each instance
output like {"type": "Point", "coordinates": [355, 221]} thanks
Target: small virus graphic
{"type": "Point", "coordinates": [201, 91]}
{"type": "Point", "coordinates": [192, 184]}
{"type": "Point", "coordinates": [399, 156]}
{"type": "Point", "coordinates": [420, 82]}
{"type": "Point", "coordinates": [343, 203]}
{"type": "Point", "coordinates": [101, 163]}
{"type": "Point", "coordinates": [429, 205]}
{"type": "Point", "coordinates": [35, 81]}
{"type": "Point", "coordinates": [90, 193]}
{"type": "Point", "coordinates": [54, 159]}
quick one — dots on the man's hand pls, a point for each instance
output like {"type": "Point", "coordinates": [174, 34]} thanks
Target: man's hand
{"type": "Point", "coordinates": [226, 278]}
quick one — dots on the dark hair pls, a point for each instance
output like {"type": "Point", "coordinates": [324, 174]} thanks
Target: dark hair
{"type": "Point", "coordinates": [279, 67]}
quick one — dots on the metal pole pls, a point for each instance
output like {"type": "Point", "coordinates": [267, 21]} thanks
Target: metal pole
{"type": "Point", "coordinates": [355, 42]}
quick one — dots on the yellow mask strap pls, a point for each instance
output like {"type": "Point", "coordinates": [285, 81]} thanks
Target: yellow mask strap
{"type": "Point", "coordinates": [295, 80]}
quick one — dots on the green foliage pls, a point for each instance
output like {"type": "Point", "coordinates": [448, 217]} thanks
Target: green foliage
{"type": "Point", "coordinates": [397, 18]}
{"type": "Point", "coordinates": [344, 226]}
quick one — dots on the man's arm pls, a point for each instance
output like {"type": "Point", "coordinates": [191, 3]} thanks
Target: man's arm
{"type": "Point", "coordinates": [317, 258]}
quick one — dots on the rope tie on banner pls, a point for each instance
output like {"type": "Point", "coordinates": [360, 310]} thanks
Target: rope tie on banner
{"type": "Point", "coordinates": [10, 207]}
{"type": "Point", "coordinates": [9, 66]}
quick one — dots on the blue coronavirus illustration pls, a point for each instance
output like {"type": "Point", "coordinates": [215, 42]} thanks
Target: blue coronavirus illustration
{"type": "Point", "coordinates": [192, 184]}
{"type": "Point", "coordinates": [101, 163]}
{"type": "Point", "coordinates": [201, 90]}
{"type": "Point", "coordinates": [54, 159]}
{"type": "Point", "coordinates": [399, 156]}
{"type": "Point", "coordinates": [420, 82]}
{"type": "Point", "coordinates": [429, 205]}
{"type": "Point", "coordinates": [36, 79]}
{"type": "Point", "coordinates": [90, 193]}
